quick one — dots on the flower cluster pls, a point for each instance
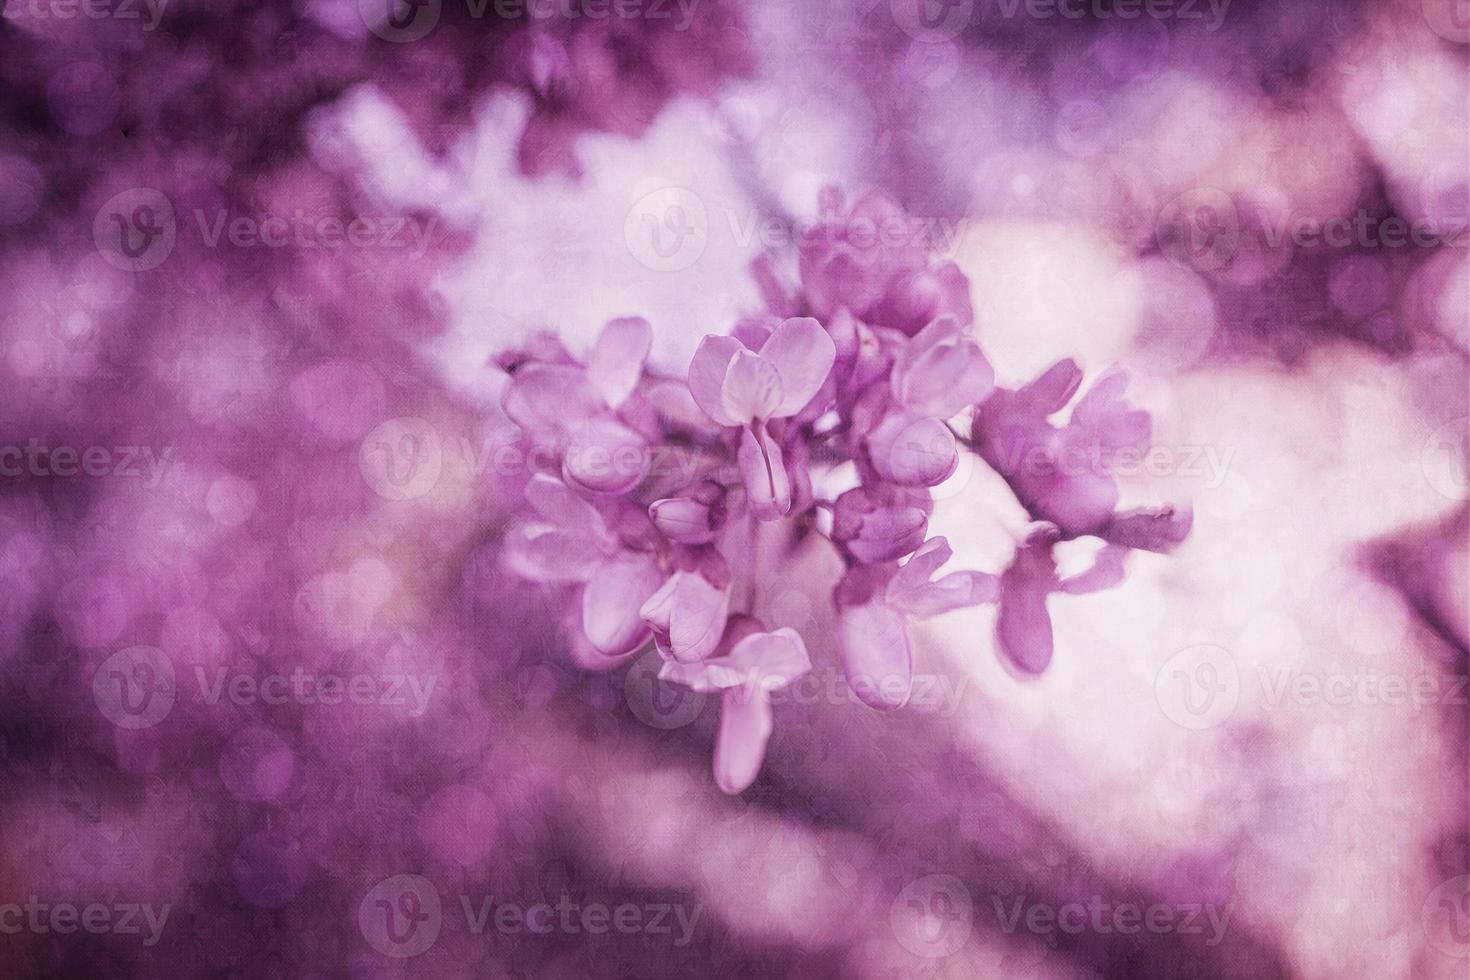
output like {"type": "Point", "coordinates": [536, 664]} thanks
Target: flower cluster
{"type": "Point", "coordinates": [654, 491]}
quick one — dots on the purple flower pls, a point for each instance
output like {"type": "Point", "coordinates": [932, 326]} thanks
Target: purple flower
{"type": "Point", "coordinates": [572, 543]}
{"type": "Point", "coordinates": [1061, 474]}
{"type": "Point", "coordinates": [687, 616]}
{"type": "Point", "coordinates": [873, 261]}
{"type": "Point", "coordinates": [694, 518]}
{"type": "Point", "coordinates": [941, 371]}
{"type": "Point", "coordinates": [881, 523]}
{"type": "Point", "coordinates": [874, 607]}
{"type": "Point", "coordinates": [738, 387]}
{"type": "Point", "coordinates": [913, 450]}
{"type": "Point", "coordinates": [757, 663]}
{"type": "Point", "coordinates": [573, 409]}
{"type": "Point", "coordinates": [1023, 628]}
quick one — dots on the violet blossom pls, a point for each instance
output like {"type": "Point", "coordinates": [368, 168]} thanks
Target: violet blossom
{"type": "Point", "coordinates": [674, 554]}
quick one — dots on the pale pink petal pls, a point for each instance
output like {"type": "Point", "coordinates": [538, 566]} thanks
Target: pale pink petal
{"type": "Point", "coordinates": [697, 619]}
{"type": "Point", "coordinates": [1023, 628]}
{"type": "Point", "coordinates": [558, 505]}
{"type": "Point", "coordinates": [549, 397]}
{"type": "Point", "coordinates": [918, 570]}
{"type": "Point", "coordinates": [682, 519]}
{"type": "Point", "coordinates": [763, 469]}
{"type": "Point", "coordinates": [612, 600]}
{"type": "Point", "coordinates": [658, 610]}
{"type": "Point", "coordinates": [913, 450]}
{"type": "Point", "coordinates": [707, 375]}
{"type": "Point", "coordinates": [740, 747]}
{"type": "Point", "coordinates": [1053, 389]}
{"type": "Point", "coordinates": [941, 371]}
{"type": "Point", "coordinates": [802, 354]}
{"type": "Point", "coordinates": [752, 388]}
{"type": "Point", "coordinates": [957, 590]}
{"type": "Point", "coordinates": [616, 361]}
{"type": "Point", "coordinates": [604, 456]}
{"type": "Point", "coordinates": [1158, 530]}
{"type": "Point", "coordinates": [769, 660]}
{"type": "Point", "coordinates": [876, 656]}
{"type": "Point", "coordinates": [542, 553]}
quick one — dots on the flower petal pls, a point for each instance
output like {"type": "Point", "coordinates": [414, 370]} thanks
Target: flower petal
{"type": "Point", "coordinates": [558, 505]}
{"type": "Point", "coordinates": [616, 361]}
{"type": "Point", "coordinates": [763, 469]}
{"type": "Point", "coordinates": [696, 612]}
{"type": "Point", "coordinates": [740, 747]}
{"type": "Point", "coordinates": [769, 660]}
{"type": "Point", "coordinates": [876, 655]}
{"type": "Point", "coordinates": [546, 398]}
{"type": "Point", "coordinates": [802, 354]}
{"type": "Point", "coordinates": [612, 600]}
{"type": "Point", "coordinates": [604, 456]}
{"type": "Point", "coordinates": [707, 375]}
{"type": "Point", "coordinates": [1024, 627]}
{"type": "Point", "coordinates": [913, 450]}
{"type": "Point", "coordinates": [752, 388]}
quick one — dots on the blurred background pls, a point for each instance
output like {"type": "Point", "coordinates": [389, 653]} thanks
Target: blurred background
{"type": "Point", "coordinates": [270, 706]}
